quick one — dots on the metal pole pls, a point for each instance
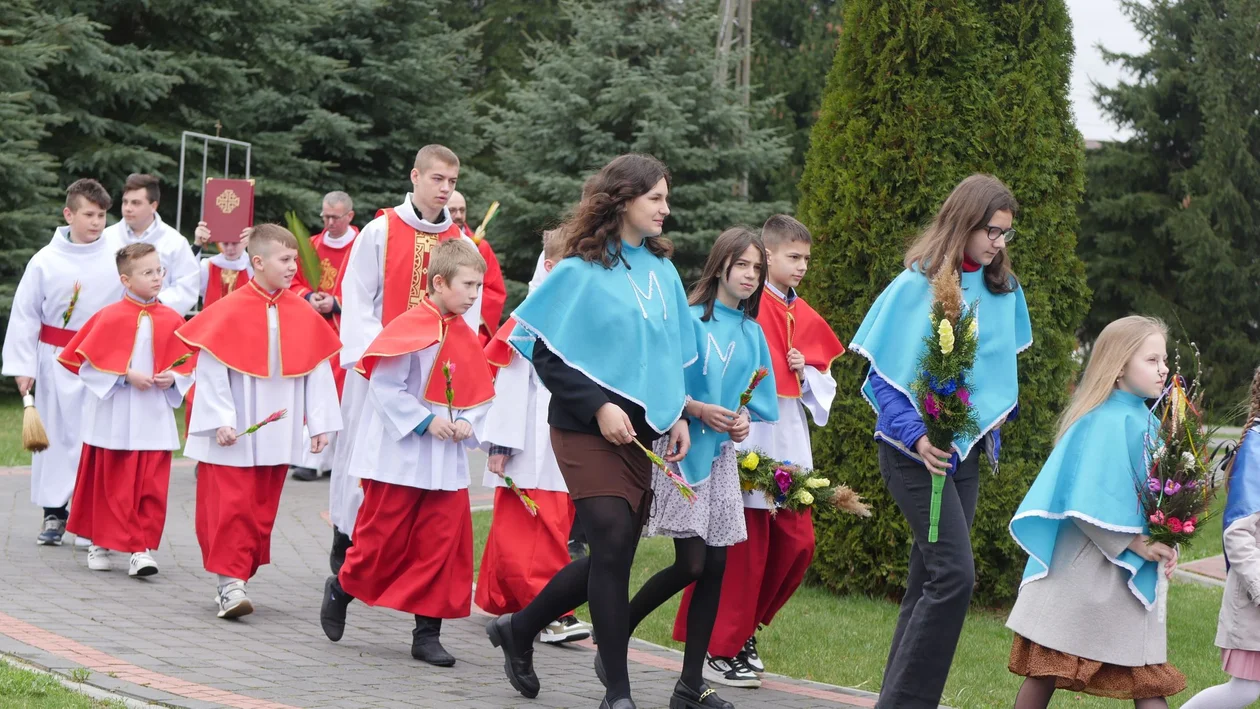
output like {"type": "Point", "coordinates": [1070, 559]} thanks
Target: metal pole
{"type": "Point", "coordinates": [179, 203]}
{"type": "Point", "coordinates": [205, 156]}
{"type": "Point", "coordinates": [227, 157]}
{"type": "Point", "coordinates": [248, 150]}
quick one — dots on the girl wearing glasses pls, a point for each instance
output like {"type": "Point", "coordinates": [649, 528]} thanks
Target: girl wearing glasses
{"type": "Point", "coordinates": [969, 234]}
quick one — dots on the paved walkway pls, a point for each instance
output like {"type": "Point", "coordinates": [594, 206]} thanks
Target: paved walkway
{"type": "Point", "coordinates": [158, 640]}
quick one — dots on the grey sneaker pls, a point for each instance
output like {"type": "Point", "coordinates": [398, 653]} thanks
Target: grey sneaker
{"type": "Point", "coordinates": [232, 601]}
{"type": "Point", "coordinates": [565, 630]}
{"type": "Point", "coordinates": [54, 530]}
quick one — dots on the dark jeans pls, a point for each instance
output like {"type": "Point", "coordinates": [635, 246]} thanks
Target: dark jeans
{"type": "Point", "coordinates": [941, 578]}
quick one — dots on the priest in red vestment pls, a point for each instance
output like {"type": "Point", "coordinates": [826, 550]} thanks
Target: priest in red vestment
{"type": "Point", "coordinates": [494, 293]}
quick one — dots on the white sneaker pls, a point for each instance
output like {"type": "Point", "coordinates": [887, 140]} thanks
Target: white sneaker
{"type": "Point", "coordinates": [232, 601]}
{"type": "Point", "coordinates": [142, 564]}
{"type": "Point", "coordinates": [98, 559]}
{"type": "Point", "coordinates": [82, 542]}
{"type": "Point", "coordinates": [730, 671]}
{"type": "Point", "coordinates": [565, 630]}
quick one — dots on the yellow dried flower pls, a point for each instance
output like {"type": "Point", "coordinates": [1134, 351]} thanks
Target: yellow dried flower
{"type": "Point", "coordinates": [750, 462]}
{"type": "Point", "coordinates": [946, 332]}
{"type": "Point", "coordinates": [804, 497]}
{"type": "Point", "coordinates": [815, 483]}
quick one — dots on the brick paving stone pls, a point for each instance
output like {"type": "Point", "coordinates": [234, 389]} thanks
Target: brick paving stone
{"type": "Point", "coordinates": [162, 642]}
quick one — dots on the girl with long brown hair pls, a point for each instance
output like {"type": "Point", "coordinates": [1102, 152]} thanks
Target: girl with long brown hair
{"type": "Point", "coordinates": [609, 337]}
{"type": "Point", "coordinates": [969, 235]}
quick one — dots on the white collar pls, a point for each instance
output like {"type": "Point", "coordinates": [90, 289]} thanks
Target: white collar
{"type": "Point", "coordinates": [61, 242]}
{"type": "Point", "coordinates": [240, 264]}
{"type": "Point", "coordinates": [149, 231]}
{"type": "Point", "coordinates": [407, 212]}
{"type": "Point", "coordinates": [340, 242]}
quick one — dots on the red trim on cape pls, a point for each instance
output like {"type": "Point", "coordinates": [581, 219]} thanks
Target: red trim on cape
{"type": "Point", "coordinates": [107, 339]}
{"type": "Point", "coordinates": [423, 327]}
{"type": "Point", "coordinates": [499, 352]}
{"type": "Point", "coordinates": [234, 331]}
{"type": "Point", "coordinates": [493, 293]}
{"type": "Point", "coordinates": [405, 285]}
{"type": "Point", "coordinates": [795, 326]}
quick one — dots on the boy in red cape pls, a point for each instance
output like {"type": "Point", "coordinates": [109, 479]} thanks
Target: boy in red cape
{"type": "Point", "coordinates": [524, 550]}
{"type": "Point", "coordinates": [128, 357]}
{"type": "Point", "coordinates": [413, 536]}
{"type": "Point", "coordinates": [763, 572]}
{"type": "Point", "coordinates": [262, 365]}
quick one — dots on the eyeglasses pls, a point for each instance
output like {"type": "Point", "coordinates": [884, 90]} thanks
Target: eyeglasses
{"type": "Point", "coordinates": [993, 232]}
{"type": "Point", "coordinates": [333, 217]}
{"type": "Point", "coordinates": [160, 272]}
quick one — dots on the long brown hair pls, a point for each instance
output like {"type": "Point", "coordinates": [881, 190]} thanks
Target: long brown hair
{"type": "Point", "coordinates": [969, 207]}
{"type": "Point", "coordinates": [729, 246]}
{"type": "Point", "coordinates": [593, 229]}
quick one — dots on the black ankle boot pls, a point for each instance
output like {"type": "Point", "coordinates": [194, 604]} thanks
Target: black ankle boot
{"type": "Point", "coordinates": [702, 697]}
{"type": "Point", "coordinates": [518, 664]}
{"type": "Point", "coordinates": [425, 645]}
{"type": "Point", "coordinates": [337, 557]}
{"type": "Point", "coordinates": [332, 611]}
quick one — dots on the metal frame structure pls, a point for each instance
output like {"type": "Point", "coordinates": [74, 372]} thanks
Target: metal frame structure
{"type": "Point", "coordinates": [205, 163]}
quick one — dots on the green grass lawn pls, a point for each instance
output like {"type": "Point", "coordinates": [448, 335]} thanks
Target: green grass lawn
{"type": "Point", "coordinates": [844, 640]}
{"type": "Point", "coordinates": [11, 452]}
{"type": "Point", "coordinates": [23, 689]}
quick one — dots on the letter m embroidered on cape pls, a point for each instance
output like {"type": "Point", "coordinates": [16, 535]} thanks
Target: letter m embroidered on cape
{"type": "Point", "coordinates": [654, 287]}
{"type": "Point", "coordinates": [712, 346]}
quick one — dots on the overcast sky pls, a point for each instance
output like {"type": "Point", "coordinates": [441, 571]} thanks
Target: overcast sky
{"type": "Point", "coordinates": [1095, 22]}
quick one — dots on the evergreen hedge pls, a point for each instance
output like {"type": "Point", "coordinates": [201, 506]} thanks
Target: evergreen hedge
{"type": "Point", "coordinates": [921, 94]}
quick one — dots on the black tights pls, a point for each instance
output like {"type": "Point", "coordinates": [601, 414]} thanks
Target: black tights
{"type": "Point", "coordinates": [694, 562]}
{"type": "Point", "coordinates": [602, 578]}
{"type": "Point", "coordinates": [1036, 692]}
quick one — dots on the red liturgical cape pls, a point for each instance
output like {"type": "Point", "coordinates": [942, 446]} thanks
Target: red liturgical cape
{"type": "Point", "coordinates": [108, 338]}
{"type": "Point", "coordinates": [221, 282]}
{"type": "Point", "coordinates": [493, 291]}
{"type": "Point", "coordinates": [795, 326]}
{"type": "Point", "coordinates": [423, 327]}
{"type": "Point", "coordinates": [234, 331]}
{"type": "Point", "coordinates": [498, 352]}
{"type": "Point", "coordinates": [407, 253]}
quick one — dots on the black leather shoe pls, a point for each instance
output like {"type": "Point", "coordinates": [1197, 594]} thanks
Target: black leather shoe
{"type": "Point", "coordinates": [685, 697]}
{"type": "Point", "coordinates": [623, 703]}
{"type": "Point", "coordinates": [519, 667]}
{"type": "Point", "coordinates": [332, 611]}
{"type": "Point", "coordinates": [599, 670]}
{"type": "Point", "coordinates": [303, 474]}
{"type": "Point", "coordinates": [340, 545]}
{"type": "Point", "coordinates": [425, 645]}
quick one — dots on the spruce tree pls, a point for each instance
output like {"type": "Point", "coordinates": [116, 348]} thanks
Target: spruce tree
{"type": "Point", "coordinates": [635, 76]}
{"type": "Point", "coordinates": [1171, 225]}
{"type": "Point", "coordinates": [921, 95]}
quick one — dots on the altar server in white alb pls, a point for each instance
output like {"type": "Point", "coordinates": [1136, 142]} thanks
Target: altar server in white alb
{"type": "Point", "coordinates": [64, 285]}
{"type": "Point", "coordinates": [262, 369]}
{"type": "Point", "coordinates": [141, 223]}
{"type": "Point", "coordinates": [136, 372]}
{"type": "Point", "coordinates": [524, 548]}
{"type": "Point", "coordinates": [428, 390]}
{"type": "Point", "coordinates": [387, 274]}
{"type": "Point", "coordinates": [225, 271]}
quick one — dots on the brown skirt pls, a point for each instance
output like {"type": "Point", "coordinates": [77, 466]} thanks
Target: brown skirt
{"type": "Point", "coordinates": [1076, 674]}
{"type": "Point", "coordinates": [593, 467]}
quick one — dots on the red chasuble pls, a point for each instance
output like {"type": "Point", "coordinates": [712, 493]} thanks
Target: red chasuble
{"type": "Point", "coordinates": [407, 264]}
{"type": "Point", "coordinates": [221, 282]}
{"type": "Point", "coordinates": [424, 327]}
{"type": "Point", "coordinates": [107, 339]}
{"type": "Point", "coordinates": [234, 331]}
{"type": "Point", "coordinates": [331, 272]}
{"type": "Point", "coordinates": [796, 326]}
{"type": "Point", "coordinates": [493, 291]}
{"type": "Point", "coordinates": [498, 352]}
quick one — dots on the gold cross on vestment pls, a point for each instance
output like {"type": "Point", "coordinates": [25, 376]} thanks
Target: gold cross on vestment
{"type": "Point", "coordinates": [425, 243]}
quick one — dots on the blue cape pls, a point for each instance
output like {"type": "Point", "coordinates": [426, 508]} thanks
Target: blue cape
{"type": "Point", "coordinates": [1243, 499]}
{"type": "Point", "coordinates": [625, 328]}
{"type": "Point", "coordinates": [891, 337]}
{"type": "Point", "coordinates": [1092, 475]}
{"type": "Point", "coordinates": [731, 349]}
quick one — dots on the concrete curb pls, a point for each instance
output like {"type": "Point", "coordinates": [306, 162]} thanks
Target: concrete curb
{"type": "Point", "coordinates": [1197, 579]}
{"type": "Point", "coordinates": [85, 688]}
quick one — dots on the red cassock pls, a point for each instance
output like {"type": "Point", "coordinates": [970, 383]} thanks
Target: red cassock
{"type": "Point", "coordinates": [523, 552]}
{"type": "Point", "coordinates": [120, 496]}
{"type": "Point", "coordinates": [222, 281]}
{"type": "Point", "coordinates": [796, 326]}
{"type": "Point", "coordinates": [493, 291]}
{"type": "Point", "coordinates": [332, 271]}
{"type": "Point", "coordinates": [236, 506]}
{"type": "Point", "coordinates": [761, 575]}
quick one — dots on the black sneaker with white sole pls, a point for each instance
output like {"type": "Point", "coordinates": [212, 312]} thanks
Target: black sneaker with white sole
{"type": "Point", "coordinates": [750, 657]}
{"type": "Point", "coordinates": [565, 630]}
{"type": "Point", "coordinates": [730, 671]}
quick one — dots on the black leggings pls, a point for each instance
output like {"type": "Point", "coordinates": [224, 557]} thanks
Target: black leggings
{"type": "Point", "coordinates": [694, 562]}
{"type": "Point", "coordinates": [602, 578]}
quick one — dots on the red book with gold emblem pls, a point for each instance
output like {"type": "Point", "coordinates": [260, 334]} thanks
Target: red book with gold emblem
{"type": "Point", "coordinates": [227, 208]}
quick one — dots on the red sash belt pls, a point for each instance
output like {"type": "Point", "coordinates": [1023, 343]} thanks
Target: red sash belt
{"type": "Point", "coordinates": [55, 336]}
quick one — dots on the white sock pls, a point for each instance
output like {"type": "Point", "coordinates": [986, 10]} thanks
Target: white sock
{"type": "Point", "coordinates": [1234, 694]}
{"type": "Point", "coordinates": [225, 580]}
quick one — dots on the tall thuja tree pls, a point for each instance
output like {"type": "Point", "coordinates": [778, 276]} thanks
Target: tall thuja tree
{"type": "Point", "coordinates": [794, 45]}
{"type": "Point", "coordinates": [921, 95]}
{"type": "Point", "coordinates": [407, 83]}
{"type": "Point", "coordinates": [1171, 225]}
{"type": "Point", "coordinates": [635, 76]}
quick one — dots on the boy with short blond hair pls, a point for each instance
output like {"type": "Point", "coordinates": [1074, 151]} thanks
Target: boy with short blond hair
{"type": "Point", "coordinates": [64, 285]}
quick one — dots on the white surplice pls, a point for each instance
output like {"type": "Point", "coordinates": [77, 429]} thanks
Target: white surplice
{"type": "Point", "coordinates": [118, 416]}
{"type": "Point", "coordinates": [179, 288]}
{"type": "Point", "coordinates": [226, 397]}
{"type": "Point", "coordinates": [389, 450]}
{"type": "Point", "coordinates": [362, 296]}
{"type": "Point", "coordinates": [42, 297]}
{"type": "Point", "coordinates": [240, 264]}
{"type": "Point", "coordinates": [788, 440]}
